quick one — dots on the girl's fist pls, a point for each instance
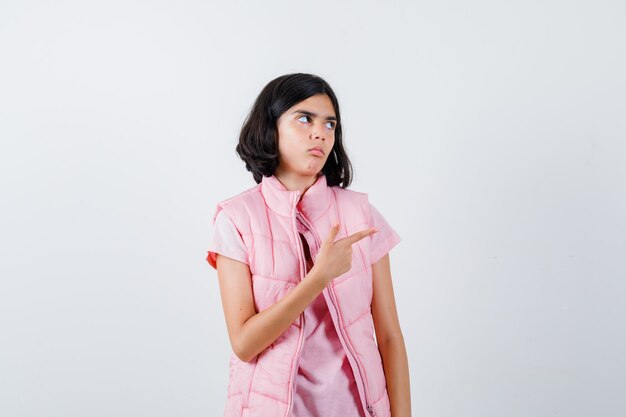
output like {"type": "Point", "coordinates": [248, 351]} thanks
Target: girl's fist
{"type": "Point", "coordinates": [335, 258]}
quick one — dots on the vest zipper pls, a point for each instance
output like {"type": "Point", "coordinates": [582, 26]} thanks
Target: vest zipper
{"type": "Point", "coordinates": [301, 335]}
{"type": "Point", "coordinates": [333, 298]}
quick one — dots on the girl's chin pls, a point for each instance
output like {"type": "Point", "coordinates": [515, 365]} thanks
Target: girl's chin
{"type": "Point", "coordinates": [313, 167]}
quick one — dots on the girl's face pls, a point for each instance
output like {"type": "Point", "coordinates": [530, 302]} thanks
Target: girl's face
{"type": "Point", "coordinates": [307, 125]}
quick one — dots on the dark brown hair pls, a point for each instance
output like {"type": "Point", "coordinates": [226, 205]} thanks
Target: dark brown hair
{"type": "Point", "coordinates": [258, 140]}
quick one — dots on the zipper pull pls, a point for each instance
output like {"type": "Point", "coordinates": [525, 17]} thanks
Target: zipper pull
{"type": "Point", "coordinates": [370, 410]}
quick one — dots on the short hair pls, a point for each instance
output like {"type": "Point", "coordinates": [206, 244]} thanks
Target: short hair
{"type": "Point", "coordinates": [258, 140]}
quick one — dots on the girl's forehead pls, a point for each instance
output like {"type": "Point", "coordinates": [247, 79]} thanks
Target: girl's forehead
{"type": "Point", "coordinates": [317, 105]}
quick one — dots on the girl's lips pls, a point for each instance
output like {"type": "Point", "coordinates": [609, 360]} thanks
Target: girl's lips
{"type": "Point", "coordinates": [316, 152]}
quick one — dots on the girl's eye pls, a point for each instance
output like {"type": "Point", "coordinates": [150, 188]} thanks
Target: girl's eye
{"type": "Point", "coordinates": [330, 125]}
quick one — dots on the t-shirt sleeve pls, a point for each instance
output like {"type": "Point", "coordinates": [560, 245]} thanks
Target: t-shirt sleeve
{"type": "Point", "coordinates": [383, 240]}
{"type": "Point", "coordinates": [226, 241]}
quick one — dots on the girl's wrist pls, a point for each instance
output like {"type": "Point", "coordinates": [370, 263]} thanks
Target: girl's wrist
{"type": "Point", "coordinates": [317, 276]}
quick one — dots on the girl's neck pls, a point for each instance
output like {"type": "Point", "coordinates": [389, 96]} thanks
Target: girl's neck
{"type": "Point", "coordinates": [294, 182]}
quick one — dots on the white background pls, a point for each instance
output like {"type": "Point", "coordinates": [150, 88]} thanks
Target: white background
{"type": "Point", "coordinates": [491, 135]}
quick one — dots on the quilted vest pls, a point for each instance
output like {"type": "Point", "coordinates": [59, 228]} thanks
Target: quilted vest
{"type": "Point", "coordinates": [266, 216]}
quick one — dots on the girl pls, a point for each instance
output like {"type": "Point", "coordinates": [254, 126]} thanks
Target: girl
{"type": "Point", "coordinates": [304, 270]}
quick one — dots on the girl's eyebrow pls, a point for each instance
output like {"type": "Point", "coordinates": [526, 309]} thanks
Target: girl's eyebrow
{"type": "Point", "coordinates": [308, 113]}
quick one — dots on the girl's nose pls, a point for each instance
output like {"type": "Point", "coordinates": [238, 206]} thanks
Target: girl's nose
{"type": "Point", "coordinates": [318, 133]}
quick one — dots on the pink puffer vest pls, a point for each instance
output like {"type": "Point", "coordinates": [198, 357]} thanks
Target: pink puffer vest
{"type": "Point", "coordinates": [265, 216]}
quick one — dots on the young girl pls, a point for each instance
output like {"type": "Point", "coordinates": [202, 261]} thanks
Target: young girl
{"type": "Point", "coordinates": [304, 270]}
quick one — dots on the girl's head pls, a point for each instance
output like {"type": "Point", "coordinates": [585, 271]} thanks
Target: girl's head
{"type": "Point", "coordinates": [292, 114]}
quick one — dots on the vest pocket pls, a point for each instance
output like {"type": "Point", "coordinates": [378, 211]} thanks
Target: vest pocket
{"type": "Point", "coordinates": [238, 373]}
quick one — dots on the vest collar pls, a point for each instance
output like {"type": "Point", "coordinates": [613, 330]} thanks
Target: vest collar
{"type": "Point", "coordinates": [313, 203]}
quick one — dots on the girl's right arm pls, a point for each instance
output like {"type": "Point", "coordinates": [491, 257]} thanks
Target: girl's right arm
{"type": "Point", "coordinates": [250, 332]}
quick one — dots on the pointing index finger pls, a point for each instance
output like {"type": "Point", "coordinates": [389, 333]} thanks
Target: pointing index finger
{"type": "Point", "coordinates": [355, 237]}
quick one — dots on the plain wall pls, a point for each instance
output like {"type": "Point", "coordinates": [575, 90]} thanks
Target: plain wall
{"type": "Point", "coordinates": [491, 135]}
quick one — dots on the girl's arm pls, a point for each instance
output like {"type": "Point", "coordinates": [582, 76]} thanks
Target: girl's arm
{"type": "Point", "coordinates": [390, 339]}
{"type": "Point", "coordinates": [251, 332]}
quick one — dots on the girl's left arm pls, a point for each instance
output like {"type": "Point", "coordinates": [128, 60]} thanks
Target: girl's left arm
{"type": "Point", "coordinates": [390, 339]}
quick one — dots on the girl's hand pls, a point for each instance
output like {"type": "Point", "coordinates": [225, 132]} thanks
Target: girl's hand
{"type": "Point", "coordinates": [335, 258]}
